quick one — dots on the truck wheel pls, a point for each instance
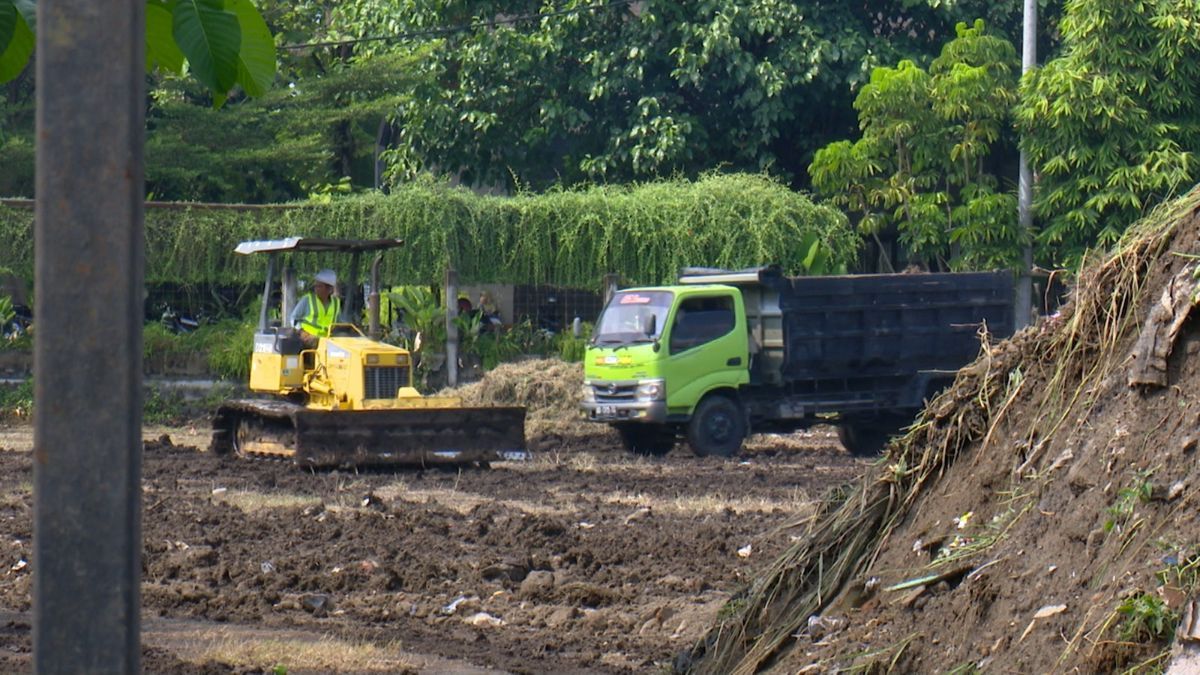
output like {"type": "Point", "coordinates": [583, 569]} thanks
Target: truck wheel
{"type": "Point", "coordinates": [717, 428]}
{"type": "Point", "coordinates": [646, 439]}
{"type": "Point", "coordinates": [868, 438]}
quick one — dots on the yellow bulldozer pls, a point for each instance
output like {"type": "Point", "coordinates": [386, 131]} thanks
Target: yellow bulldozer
{"type": "Point", "coordinates": [349, 401]}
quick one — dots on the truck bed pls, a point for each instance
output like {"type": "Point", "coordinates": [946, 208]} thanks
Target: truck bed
{"type": "Point", "coordinates": [883, 325]}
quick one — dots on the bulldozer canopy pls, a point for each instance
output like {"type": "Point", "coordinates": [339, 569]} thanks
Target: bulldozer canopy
{"type": "Point", "coordinates": [317, 244]}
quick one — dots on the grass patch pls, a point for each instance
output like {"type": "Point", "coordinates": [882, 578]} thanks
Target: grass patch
{"type": "Point", "coordinates": [462, 502]}
{"type": "Point", "coordinates": [795, 502]}
{"type": "Point", "coordinates": [249, 502]}
{"type": "Point", "coordinates": [324, 655]}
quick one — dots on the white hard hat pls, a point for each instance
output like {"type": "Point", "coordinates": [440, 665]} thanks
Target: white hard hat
{"type": "Point", "coordinates": [326, 276]}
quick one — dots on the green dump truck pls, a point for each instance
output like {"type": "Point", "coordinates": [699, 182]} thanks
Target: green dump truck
{"type": "Point", "coordinates": [723, 354]}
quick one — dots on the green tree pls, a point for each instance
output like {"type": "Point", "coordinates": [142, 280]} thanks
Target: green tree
{"type": "Point", "coordinates": [316, 134]}
{"type": "Point", "coordinates": [1111, 123]}
{"type": "Point", "coordinates": [925, 170]}
{"type": "Point", "coordinates": [614, 92]}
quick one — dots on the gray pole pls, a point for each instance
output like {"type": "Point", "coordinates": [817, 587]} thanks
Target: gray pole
{"type": "Point", "coordinates": [1023, 308]}
{"type": "Point", "coordinates": [88, 346]}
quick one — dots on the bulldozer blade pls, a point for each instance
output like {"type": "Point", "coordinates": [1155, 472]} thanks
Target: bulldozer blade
{"type": "Point", "coordinates": [409, 436]}
{"type": "Point", "coordinates": [346, 438]}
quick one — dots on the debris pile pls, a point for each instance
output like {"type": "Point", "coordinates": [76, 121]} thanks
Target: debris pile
{"type": "Point", "coordinates": [549, 389]}
{"type": "Point", "coordinates": [1039, 516]}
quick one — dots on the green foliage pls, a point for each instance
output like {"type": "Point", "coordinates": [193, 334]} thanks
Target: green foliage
{"type": "Point", "coordinates": [1111, 123]}
{"type": "Point", "coordinates": [160, 407]}
{"type": "Point", "coordinates": [18, 19]}
{"type": "Point", "coordinates": [648, 89]}
{"type": "Point", "coordinates": [571, 348]}
{"type": "Point", "coordinates": [313, 137]}
{"type": "Point", "coordinates": [1146, 618]}
{"type": "Point", "coordinates": [16, 400]}
{"type": "Point", "coordinates": [645, 233]}
{"type": "Point", "coordinates": [1128, 499]}
{"type": "Point", "coordinates": [224, 347]}
{"type": "Point", "coordinates": [225, 42]}
{"type": "Point", "coordinates": [229, 347]}
{"type": "Point", "coordinates": [922, 168]}
{"type": "Point", "coordinates": [425, 326]}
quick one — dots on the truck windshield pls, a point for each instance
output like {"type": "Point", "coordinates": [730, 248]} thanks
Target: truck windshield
{"type": "Point", "coordinates": [632, 317]}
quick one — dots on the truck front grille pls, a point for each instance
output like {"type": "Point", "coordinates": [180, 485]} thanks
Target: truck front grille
{"type": "Point", "coordinates": [615, 393]}
{"type": "Point", "coordinates": [384, 381]}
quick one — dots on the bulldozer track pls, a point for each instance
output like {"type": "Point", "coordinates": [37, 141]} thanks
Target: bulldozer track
{"type": "Point", "coordinates": [274, 430]}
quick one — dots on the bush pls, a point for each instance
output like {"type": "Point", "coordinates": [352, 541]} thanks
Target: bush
{"type": "Point", "coordinates": [16, 400]}
{"type": "Point", "coordinates": [224, 348]}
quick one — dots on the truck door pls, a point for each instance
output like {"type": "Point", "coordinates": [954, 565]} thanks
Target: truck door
{"type": "Point", "coordinates": [706, 349]}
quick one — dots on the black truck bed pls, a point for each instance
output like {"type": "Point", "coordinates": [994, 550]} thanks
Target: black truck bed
{"type": "Point", "coordinates": [883, 325]}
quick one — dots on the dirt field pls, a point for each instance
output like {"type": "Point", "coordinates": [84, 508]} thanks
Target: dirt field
{"type": "Point", "coordinates": [584, 559]}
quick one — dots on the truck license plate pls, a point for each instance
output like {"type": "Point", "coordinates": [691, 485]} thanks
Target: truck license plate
{"type": "Point", "coordinates": [606, 410]}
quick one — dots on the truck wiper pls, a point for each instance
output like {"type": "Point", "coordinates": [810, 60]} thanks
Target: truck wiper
{"type": "Point", "coordinates": [636, 341]}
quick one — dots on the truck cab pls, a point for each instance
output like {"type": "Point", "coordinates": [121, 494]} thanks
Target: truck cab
{"type": "Point", "coordinates": [657, 354]}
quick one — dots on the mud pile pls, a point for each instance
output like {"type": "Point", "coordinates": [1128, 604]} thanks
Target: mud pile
{"type": "Point", "coordinates": [1041, 514]}
{"type": "Point", "coordinates": [549, 389]}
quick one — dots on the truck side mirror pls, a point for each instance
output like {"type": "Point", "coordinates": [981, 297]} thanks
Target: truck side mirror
{"type": "Point", "coordinates": [651, 325]}
{"type": "Point", "coordinates": [577, 327]}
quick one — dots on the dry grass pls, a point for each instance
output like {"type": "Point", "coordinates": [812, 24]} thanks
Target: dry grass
{"type": "Point", "coordinates": [462, 502]}
{"type": "Point", "coordinates": [16, 437]}
{"type": "Point", "coordinates": [323, 655]}
{"type": "Point", "coordinates": [797, 503]}
{"type": "Point", "coordinates": [249, 502]}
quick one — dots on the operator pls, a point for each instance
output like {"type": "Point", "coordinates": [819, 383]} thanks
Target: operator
{"type": "Point", "coordinates": [317, 309]}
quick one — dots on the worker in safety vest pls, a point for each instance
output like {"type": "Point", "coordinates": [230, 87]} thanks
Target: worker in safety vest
{"type": "Point", "coordinates": [318, 309]}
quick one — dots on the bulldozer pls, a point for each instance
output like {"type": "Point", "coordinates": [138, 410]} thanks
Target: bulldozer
{"type": "Point", "coordinates": [349, 401]}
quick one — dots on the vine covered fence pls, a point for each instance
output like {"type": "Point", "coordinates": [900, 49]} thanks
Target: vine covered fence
{"type": "Point", "coordinates": [645, 233]}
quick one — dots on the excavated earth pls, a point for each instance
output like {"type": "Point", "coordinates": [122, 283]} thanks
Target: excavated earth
{"type": "Point", "coordinates": [1057, 530]}
{"type": "Point", "coordinates": [584, 559]}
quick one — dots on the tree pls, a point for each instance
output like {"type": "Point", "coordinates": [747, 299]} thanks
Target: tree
{"type": "Point", "coordinates": [1110, 124]}
{"type": "Point", "coordinates": [315, 135]}
{"type": "Point", "coordinates": [224, 43]}
{"type": "Point", "coordinates": [926, 169]}
{"type": "Point", "coordinates": [582, 91]}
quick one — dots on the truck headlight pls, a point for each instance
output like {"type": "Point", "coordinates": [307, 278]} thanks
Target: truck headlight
{"type": "Point", "coordinates": [588, 393]}
{"type": "Point", "coordinates": [651, 390]}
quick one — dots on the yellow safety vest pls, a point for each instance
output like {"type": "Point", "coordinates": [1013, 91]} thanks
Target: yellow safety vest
{"type": "Point", "coordinates": [319, 319]}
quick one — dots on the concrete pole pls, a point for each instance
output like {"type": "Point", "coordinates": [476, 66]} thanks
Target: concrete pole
{"type": "Point", "coordinates": [1023, 306]}
{"type": "Point", "coordinates": [88, 243]}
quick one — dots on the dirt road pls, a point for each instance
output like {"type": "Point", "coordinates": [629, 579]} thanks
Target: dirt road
{"type": "Point", "coordinates": [584, 559]}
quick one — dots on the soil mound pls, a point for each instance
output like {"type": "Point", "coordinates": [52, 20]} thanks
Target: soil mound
{"type": "Point", "coordinates": [1039, 516]}
{"type": "Point", "coordinates": [549, 389]}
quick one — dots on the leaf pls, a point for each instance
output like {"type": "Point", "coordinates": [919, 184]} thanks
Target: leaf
{"type": "Point", "coordinates": [161, 49]}
{"type": "Point", "coordinates": [210, 38]}
{"type": "Point", "coordinates": [8, 23]}
{"type": "Point", "coordinates": [15, 53]}
{"type": "Point", "coordinates": [28, 10]}
{"type": "Point", "coordinates": [256, 58]}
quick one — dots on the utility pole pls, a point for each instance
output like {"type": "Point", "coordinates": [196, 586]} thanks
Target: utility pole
{"type": "Point", "coordinates": [1023, 307]}
{"type": "Point", "coordinates": [88, 268]}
